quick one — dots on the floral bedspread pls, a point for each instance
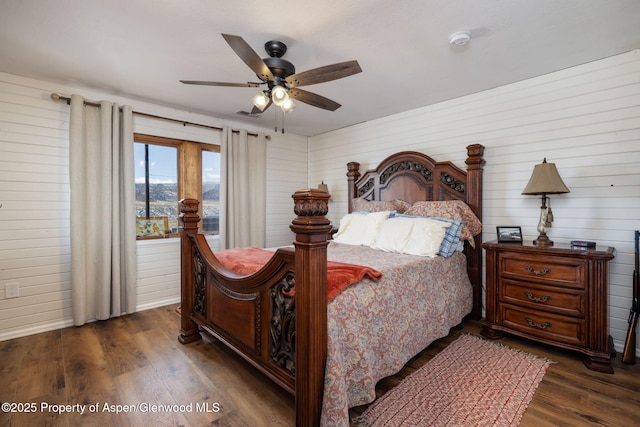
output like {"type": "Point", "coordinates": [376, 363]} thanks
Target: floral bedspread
{"type": "Point", "coordinates": [374, 328]}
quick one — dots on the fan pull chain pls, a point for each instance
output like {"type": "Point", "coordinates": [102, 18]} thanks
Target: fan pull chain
{"type": "Point", "coordinates": [276, 120]}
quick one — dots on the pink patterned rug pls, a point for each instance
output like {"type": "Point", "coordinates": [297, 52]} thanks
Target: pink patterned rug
{"type": "Point", "coordinates": [472, 382]}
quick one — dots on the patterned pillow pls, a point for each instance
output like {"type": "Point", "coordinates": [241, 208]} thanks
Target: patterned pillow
{"type": "Point", "coordinates": [451, 209]}
{"type": "Point", "coordinates": [364, 205]}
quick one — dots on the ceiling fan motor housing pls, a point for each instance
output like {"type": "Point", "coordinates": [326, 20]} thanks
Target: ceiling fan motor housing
{"type": "Point", "coordinates": [279, 67]}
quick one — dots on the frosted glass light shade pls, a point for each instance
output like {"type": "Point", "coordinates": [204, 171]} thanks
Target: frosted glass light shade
{"type": "Point", "coordinates": [288, 105]}
{"type": "Point", "coordinates": [279, 95]}
{"type": "Point", "coordinates": [260, 100]}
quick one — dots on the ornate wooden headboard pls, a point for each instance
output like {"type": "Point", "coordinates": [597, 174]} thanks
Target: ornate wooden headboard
{"type": "Point", "coordinates": [412, 177]}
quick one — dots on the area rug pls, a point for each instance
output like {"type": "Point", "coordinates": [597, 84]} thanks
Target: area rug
{"type": "Point", "coordinates": [472, 382]}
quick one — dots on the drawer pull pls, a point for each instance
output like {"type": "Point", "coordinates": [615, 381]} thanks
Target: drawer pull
{"type": "Point", "coordinates": [537, 299]}
{"type": "Point", "coordinates": [545, 325]}
{"type": "Point", "coordinates": [537, 272]}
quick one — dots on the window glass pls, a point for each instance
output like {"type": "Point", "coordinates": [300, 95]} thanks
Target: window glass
{"type": "Point", "coordinates": [210, 192]}
{"type": "Point", "coordinates": [156, 175]}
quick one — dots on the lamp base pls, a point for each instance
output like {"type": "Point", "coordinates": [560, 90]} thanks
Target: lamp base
{"type": "Point", "coordinates": [543, 240]}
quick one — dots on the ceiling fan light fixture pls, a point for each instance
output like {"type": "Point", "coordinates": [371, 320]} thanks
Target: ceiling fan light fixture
{"type": "Point", "coordinates": [260, 100]}
{"type": "Point", "coordinates": [288, 105]}
{"type": "Point", "coordinates": [279, 95]}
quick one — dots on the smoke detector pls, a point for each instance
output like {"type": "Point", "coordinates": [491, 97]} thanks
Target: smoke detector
{"type": "Point", "coordinates": [459, 38]}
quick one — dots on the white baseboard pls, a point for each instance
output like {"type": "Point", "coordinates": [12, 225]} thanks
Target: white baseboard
{"type": "Point", "coordinates": [32, 330]}
{"type": "Point", "coordinates": [60, 324]}
{"type": "Point", "coordinates": [156, 304]}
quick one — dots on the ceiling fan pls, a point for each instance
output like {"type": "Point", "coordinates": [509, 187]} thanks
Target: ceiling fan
{"type": "Point", "coordinates": [279, 76]}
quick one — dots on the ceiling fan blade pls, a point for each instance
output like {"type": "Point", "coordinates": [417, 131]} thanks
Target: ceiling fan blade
{"type": "Point", "coordinates": [313, 99]}
{"type": "Point", "coordinates": [324, 74]}
{"type": "Point", "coordinates": [249, 56]}
{"type": "Point", "coordinates": [204, 83]}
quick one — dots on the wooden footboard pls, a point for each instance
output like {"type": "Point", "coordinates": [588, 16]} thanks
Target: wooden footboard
{"type": "Point", "coordinates": [254, 315]}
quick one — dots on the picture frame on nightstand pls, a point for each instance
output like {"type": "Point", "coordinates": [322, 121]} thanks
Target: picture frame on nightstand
{"type": "Point", "coordinates": [507, 234]}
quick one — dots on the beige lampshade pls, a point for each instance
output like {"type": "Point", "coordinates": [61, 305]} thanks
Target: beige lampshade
{"type": "Point", "coordinates": [545, 180]}
{"type": "Point", "coordinates": [324, 187]}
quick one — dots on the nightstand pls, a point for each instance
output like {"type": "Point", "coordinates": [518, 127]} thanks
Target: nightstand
{"type": "Point", "coordinates": [556, 295]}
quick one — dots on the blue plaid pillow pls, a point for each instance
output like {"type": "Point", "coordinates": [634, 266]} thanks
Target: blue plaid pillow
{"type": "Point", "coordinates": [451, 237]}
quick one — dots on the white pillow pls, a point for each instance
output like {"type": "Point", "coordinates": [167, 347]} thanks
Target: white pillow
{"type": "Point", "coordinates": [414, 236]}
{"type": "Point", "coordinates": [426, 237]}
{"type": "Point", "coordinates": [394, 235]}
{"type": "Point", "coordinates": [360, 229]}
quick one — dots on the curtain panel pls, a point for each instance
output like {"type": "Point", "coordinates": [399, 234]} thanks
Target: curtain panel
{"type": "Point", "coordinates": [103, 245]}
{"type": "Point", "coordinates": [243, 195]}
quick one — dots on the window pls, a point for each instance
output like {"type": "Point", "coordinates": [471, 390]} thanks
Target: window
{"type": "Point", "coordinates": [168, 170]}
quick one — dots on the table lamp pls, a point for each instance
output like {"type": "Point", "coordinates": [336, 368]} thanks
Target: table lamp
{"type": "Point", "coordinates": [324, 187]}
{"type": "Point", "coordinates": [545, 179]}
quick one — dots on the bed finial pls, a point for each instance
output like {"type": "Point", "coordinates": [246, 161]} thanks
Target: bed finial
{"type": "Point", "coordinates": [188, 206]}
{"type": "Point", "coordinates": [311, 202]}
{"type": "Point", "coordinates": [475, 153]}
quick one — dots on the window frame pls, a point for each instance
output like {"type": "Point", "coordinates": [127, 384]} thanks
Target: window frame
{"type": "Point", "coordinates": [189, 167]}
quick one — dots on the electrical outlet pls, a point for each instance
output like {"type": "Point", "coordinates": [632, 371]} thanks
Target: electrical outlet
{"type": "Point", "coordinates": [11, 290]}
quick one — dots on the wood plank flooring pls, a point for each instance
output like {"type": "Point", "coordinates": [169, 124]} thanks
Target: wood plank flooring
{"type": "Point", "coordinates": [132, 371]}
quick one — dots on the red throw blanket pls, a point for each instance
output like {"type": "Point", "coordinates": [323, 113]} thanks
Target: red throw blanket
{"type": "Point", "coordinates": [246, 261]}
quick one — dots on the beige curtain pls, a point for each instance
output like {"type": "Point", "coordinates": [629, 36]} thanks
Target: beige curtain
{"type": "Point", "coordinates": [243, 193]}
{"type": "Point", "coordinates": [103, 245]}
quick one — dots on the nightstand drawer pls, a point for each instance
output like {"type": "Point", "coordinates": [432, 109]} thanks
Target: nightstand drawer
{"type": "Point", "coordinates": [544, 325]}
{"type": "Point", "coordinates": [569, 302]}
{"type": "Point", "coordinates": [567, 272]}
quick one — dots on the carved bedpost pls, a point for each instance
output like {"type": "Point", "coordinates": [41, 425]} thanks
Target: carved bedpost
{"type": "Point", "coordinates": [475, 163]}
{"type": "Point", "coordinates": [311, 228]}
{"type": "Point", "coordinates": [353, 173]}
{"type": "Point", "coordinates": [188, 220]}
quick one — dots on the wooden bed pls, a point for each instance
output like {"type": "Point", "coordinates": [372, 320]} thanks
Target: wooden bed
{"type": "Point", "coordinates": [285, 337]}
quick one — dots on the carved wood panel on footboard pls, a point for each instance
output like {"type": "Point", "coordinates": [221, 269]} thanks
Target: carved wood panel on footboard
{"type": "Point", "coordinates": [257, 320]}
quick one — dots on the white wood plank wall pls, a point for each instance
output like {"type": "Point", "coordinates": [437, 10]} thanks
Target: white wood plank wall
{"type": "Point", "coordinates": [585, 119]}
{"type": "Point", "coordinates": [34, 198]}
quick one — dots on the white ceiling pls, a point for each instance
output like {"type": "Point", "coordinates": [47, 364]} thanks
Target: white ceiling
{"type": "Point", "coordinates": [141, 48]}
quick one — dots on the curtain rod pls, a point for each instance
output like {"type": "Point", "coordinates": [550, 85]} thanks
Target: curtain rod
{"type": "Point", "coordinates": [58, 97]}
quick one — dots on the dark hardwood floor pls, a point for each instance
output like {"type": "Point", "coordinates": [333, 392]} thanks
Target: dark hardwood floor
{"type": "Point", "coordinates": [132, 371]}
